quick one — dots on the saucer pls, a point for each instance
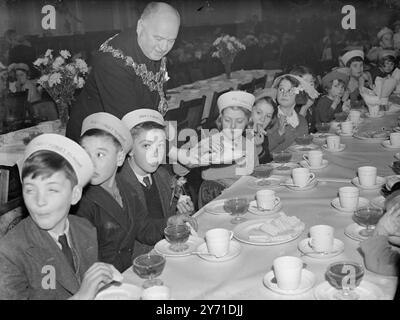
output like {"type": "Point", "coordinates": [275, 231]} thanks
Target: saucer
{"type": "Point", "coordinates": [321, 137]}
{"type": "Point", "coordinates": [366, 290]}
{"type": "Point", "coordinates": [234, 250]}
{"type": "Point", "coordinates": [305, 164]}
{"type": "Point", "coordinates": [306, 283]}
{"type": "Point", "coordinates": [284, 167]}
{"type": "Point", "coordinates": [341, 148]}
{"type": "Point", "coordinates": [253, 208]}
{"type": "Point", "coordinates": [123, 291]}
{"type": "Point", "coordinates": [340, 133]}
{"type": "Point", "coordinates": [305, 148]}
{"type": "Point", "coordinates": [362, 202]}
{"type": "Point", "coordinates": [310, 185]}
{"type": "Point", "coordinates": [378, 202]}
{"type": "Point", "coordinates": [216, 207]}
{"type": "Point", "coordinates": [388, 145]}
{"type": "Point", "coordinates": [353, 232]}
{"type": "Point", "coordinates": [270, 183]}
{"type": "Point", "coordinates": [379, 115]}
{"type": "Point", "coordinates": [304, 247]}
{"type": "Point", "coordinates": [380, 181]}
{"type": "Point", "coordinates": [162, 247]}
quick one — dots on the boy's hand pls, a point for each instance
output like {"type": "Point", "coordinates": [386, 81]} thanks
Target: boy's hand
{"type": "Point", "coordinates": [182, 219]}
{"type": "Point", "coordinates": [389, 223]}
{"type": "Point", "coordinates": [98, 275]}
{"type": "Point", "coordinates": [185, 207]}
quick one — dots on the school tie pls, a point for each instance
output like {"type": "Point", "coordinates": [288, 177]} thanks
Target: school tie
{"type": "Point", "coordinates": [66, 250]}
{"type": "Point", "coordinates": [146, 181]}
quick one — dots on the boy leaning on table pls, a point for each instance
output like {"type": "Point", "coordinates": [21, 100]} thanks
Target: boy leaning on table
{"type": "Point", "coordinates": [50, 255]}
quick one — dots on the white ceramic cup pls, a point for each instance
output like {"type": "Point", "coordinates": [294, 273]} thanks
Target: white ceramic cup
{"type": "Point", "coordinates": [321, 238]}
{"type": "Point", "coordinates": [367, 176]}
{"type": "Point", "coordinates": [395, 138]}
{"type": "Point", "coordinates": [287, 271]}
{"type": "Point", "coordinates": [348, 197]}
{"type": "Point", "coordinates": [302, 176]}
{"type": "Point", "coordinates": [333, 142]}
{"type": "Point", "coordinates": [373, 110]}
{"type": "Point", "coordinates": [354, 116]}
{"type": "Point", "coordinates": [347, 127]}
{"type": "Point", "coordinates": [156, 293]}
{"type": "Point", "coordinates": [266, 199]}
{"type": "Point", "coordinates": [218, 241]}
{"type": "Point", "coordinates": [314, 158]}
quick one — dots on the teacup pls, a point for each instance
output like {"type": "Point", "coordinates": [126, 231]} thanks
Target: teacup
{"type": "Point", "coordinates": [314, 158]}
{"type": "Point", "coordinates": [321, 238]}
{"type": "Point", "coordinates": [218, 241]}
{"type": "Point", "coordinates": [348, 197]}
{"type": "Point", "coordinates": [367, 176]}
{"type": "Point", "coordinates": [395, 138]}
{"type": "Point", "coordinates": [302, 177]}
{"type": "Point", "coordinates": [373, 110]}
{"type": "Point", "coordinates": [287, 271]}
{"type": "Point", "coordinates": [347, 127]}
{"type": "Point", "coordinates": [333, 142]}
{"type": "Point", "coordinates": [266, 199]}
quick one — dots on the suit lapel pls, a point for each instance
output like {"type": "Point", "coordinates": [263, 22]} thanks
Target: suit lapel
{"type": "Point", "coordinates": [164, 191]}
{"type": "Point", "coordinates": [44, 251]}
{"type": "Point", "coordinates": [130, 177]}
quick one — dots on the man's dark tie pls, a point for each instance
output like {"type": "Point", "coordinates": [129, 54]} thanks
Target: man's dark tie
{"type": "Point", "coordinates": [146, 181]}
{"type": "Point", "coordinates": [66, 250]}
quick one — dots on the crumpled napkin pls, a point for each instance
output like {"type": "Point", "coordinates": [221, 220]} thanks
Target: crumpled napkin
{"type": "Point", "coordinates": [391, 181]}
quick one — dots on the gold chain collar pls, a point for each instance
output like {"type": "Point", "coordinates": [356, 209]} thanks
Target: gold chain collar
{"type": "Point", "coordinates": [151, 80]}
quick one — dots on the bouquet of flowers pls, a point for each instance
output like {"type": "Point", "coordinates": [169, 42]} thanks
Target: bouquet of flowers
{"type": "Point", "coordinates": [227, 47]}
{"type": "Point", "coordinates": [60, 77]}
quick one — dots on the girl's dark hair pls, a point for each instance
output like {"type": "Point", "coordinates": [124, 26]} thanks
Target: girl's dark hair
{"type": "Point", "coordinates": [329, 85]}
{"type": "Point", "coordinates": [353, 60]}
{"type": "Point", "coordinates": [387, 58]}
{"type": "Point", "coordinates": [100, 133]}
{"type": "Point", "coordinates": [247, 113]}
{"type": "Point", "coordinates": [145, 126]}
{"type": "Point", "coordinates": [274, 118]}
{"type": "Point", "coordinates": [45, 163]}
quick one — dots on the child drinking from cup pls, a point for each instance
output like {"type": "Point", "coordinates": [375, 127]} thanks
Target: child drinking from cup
{"type": "Point", "coordinates": [290, 124]}
{"type": "Point", "coordinates": [334, 84]}
{"type": "Point", "coordinates": [51, 254]}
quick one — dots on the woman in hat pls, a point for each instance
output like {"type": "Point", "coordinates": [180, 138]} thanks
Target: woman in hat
{"type": "Point", "coordinates": [385, 39]}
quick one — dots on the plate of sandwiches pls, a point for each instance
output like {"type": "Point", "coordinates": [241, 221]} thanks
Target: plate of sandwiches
{"type": "Point", "coordinates": [373, 136]}
{"type": "Point", "coordinates": [269, 231]}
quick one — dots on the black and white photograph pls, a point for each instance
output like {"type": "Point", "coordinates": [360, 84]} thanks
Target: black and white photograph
{"type": "Point", "coordinates": [199, 150]}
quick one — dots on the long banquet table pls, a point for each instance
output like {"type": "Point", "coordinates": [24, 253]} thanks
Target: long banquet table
{"type": "Point", "coordinates": [191, 277]}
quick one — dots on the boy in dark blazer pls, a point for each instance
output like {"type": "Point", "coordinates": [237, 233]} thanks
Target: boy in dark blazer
{"type": "Point", "coordinates": [152, 183]}
{"type": "Point", "coordinates": [50, 255]}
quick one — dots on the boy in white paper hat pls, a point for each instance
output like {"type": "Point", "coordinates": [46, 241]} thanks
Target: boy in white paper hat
{"type": "Point", "coordinates": [155, 187]}
{"type": "Point", "coordinates": [51, 255]}
{"type": "Point", "coordinates": [385, 38]}
{"type": "Point", "coordinates": [232, 154]}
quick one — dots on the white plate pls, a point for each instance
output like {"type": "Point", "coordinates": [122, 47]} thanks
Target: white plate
{"type": "Point", "coordinates": [386, 144]}
{"type": "Point", "coordinates": [380, 181]}
{"type": "Point", "coordinates": [305, 164]}
{"type": "Point", "coordinates": [370, 139]}
{"type": "Point", "coordinates": [378, 202]}
{"type": "Point", "coordinates": [304, 247]}
{"type": "Point", "coordinates": [307, 282]}
{"type": "Point", "coordinates": [353, 232]}
{"type": "Point", "coordinates": [234, 250]}
{"type": "Point", "coordinates": [366, 290]}
{"type": "Point", "coordinates": [379, 115]}
{"type": "Point", "coordinates": [311, 185]}
{"type": "Point", "coordinates": [269, 183]}
{"type": "Point", "coordinates": [162, 247]}
{"type": "Point", "coordinates": [305, 148]}
{"type": "Point", "coordinates": [241, 233]}
{"type": "Point", "coordinates": [341, 148]}
{"type": "Point", "coordinates": [284, 167]}
{"type": "Point", "coordinates": [362, 202]}
{"type": "Point", "coordinates": [253, 208]}
{"type": "Point", "coordinates": [216, 207]}
{"type": "Point", "coordinates": [125, 291]}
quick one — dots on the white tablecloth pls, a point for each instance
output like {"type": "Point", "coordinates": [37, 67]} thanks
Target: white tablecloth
{"type": "Point", "coordinates": [242, 277]}
{"type": "Point", "coordinates": [219, 83]}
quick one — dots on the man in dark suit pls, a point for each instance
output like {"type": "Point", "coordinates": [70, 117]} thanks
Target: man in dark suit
{"type": "Point", "coordinates": [129, 70]}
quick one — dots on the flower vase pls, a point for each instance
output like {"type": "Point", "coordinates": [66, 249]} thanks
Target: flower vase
{"type": "Point", "coordinates": [228, 69]}
{"type": "Point", "coordinates": [63, 113]}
